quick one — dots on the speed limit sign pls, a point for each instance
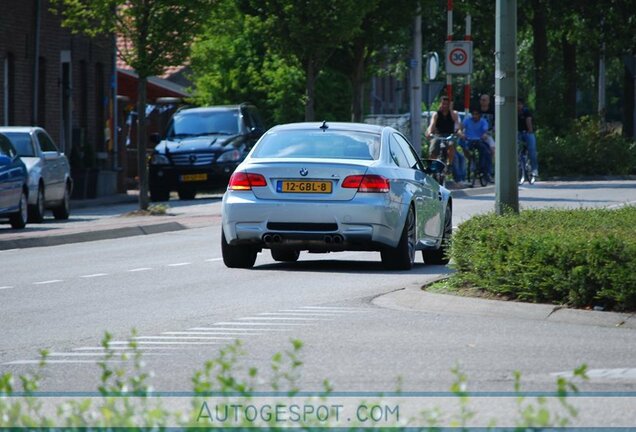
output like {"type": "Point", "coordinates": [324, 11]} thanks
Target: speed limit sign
{"type": "Point", "coordinates": [459, 57]}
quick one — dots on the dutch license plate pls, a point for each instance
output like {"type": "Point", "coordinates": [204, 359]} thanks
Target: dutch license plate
{"type": "Point", "coordinates": [194, 177]}
{"type": "Point", "coordinates": [304, 186]}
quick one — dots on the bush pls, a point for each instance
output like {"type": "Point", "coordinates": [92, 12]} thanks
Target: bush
{"type": "Point", "coordinates": [586, 149]}
{"type": "Point", "coordinates": [574, 257]}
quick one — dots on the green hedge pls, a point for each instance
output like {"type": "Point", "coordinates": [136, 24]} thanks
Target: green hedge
{"type": "Point", "coordinates": [586, 148]}
{"type": "Point", "coordinates": [580, 257]}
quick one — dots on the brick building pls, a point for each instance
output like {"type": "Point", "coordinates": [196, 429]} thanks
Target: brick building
{"type": "Point", "coordinates": [60, 81]}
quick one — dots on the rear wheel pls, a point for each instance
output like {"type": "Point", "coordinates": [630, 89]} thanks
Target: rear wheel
{"type": "Point", "coordinates": [239, 256]}
{"type": "Point", "coordinates": [18, 219]}
{"type": "Point", "coordinates": [64, 209]}
{"type": "Point", "coordinates": [157, 194]}
{"type": "Point", "coordinates": [36, 212]}
{"type": "Point", "coordinates": [285, 255]}
{"type": "Point", "coordinates": [402, 257]}
{"type": "Point", "coordinates": [440, 255]}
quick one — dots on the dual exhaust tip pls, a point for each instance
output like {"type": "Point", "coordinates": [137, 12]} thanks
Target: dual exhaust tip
{"type": "Point", "coordinates": [328, 239]}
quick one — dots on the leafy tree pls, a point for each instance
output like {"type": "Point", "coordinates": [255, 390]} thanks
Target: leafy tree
{"type": "Point", "coordinates": [308, 31]}
{"type": "Point", "coordinates": [156, 33]}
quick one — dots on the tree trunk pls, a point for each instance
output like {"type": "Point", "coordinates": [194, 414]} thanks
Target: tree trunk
{"type": "Point", "coordinates": [141, 143]}
{"type": "Point", "coordinates": [569, 68]}
{"type": "Point", "coordinates": [540, 50]}
{"type": "Point", "coordinates": [310, 114]}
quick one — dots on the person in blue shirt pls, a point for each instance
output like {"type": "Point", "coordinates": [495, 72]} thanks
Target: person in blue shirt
{"type": "Point", "coordinates": [475, 132]}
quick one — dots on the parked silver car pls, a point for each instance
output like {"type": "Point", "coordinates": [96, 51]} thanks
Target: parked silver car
{"type": "Point", "coordinates": [50, 182]}
{"type": "Point", "coordinates": [326, 187]}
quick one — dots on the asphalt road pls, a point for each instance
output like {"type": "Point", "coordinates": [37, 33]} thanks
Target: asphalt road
{"type": "Point", "coordinates": [357, 331]}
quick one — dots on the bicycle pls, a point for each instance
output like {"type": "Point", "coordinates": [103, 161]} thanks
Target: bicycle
{"type": "Point", "coordinates": [525, 167]}
{"type": "Point", "coordinates": [476, 172]}
{"type": "Point", "coordinates": [446, 154]}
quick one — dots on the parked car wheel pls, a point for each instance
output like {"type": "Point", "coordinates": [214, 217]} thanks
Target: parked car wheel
{"type": "Point", "coordinates": [18, 219]}
{"type": "Point", "coordinates": [440, 255]}
{"type": "Point", "coordinates": [402, 257]}
{"type": "Point", "coordinates": [237, 256]}
{"type": "Point", "coordinates": [187, 193]}
{"type": "Point", "coordinates": [64, 209]}
{"type": "Point", "coordinates": [159, 194]}
{"type": "Point", "coordinates": [36, 212]}
{"type": "Point", "coordinates": [285, 255]}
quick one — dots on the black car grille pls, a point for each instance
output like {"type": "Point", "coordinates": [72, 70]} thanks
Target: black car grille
{"type": "Point", "coordinates": [192, 159]}
{"type": "Point", "coordinates": [284, 226]}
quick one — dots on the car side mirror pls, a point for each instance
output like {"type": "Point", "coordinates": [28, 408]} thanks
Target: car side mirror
{"type": "Point", "coordinates": [50, 155]}
{"type": "Point", "coordinates": [155, 138]}
{"type": "Point", "coordinates": [433, 166]}
{"type": "Point", "coordinates": [5, 160]}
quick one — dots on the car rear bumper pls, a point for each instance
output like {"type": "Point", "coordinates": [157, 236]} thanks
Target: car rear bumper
{"type": "Point", "coordinates": [175, 177]}
{"type": "Point", "coordinates": [367, 222]}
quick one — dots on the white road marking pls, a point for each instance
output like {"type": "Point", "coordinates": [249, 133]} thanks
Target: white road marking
{"type": "Point", "coordinates": [214, 259]}
{"type": "Point", "coordinates": [187, 333]}
{"type": "Point", "coordinates": [5, 287]}
{"type": "Point", "coordinates": [37, 362]}
{"type": "Point", "coordinates": [163, 343]}
{"type": "Point", "coordinates": [179, 264]}
{"type": "Point", "coordinates": [48, 282]}
{"type": "Point", "coordinates": [9, 250]}
{"type": "Point", "coordinates": [122, 348]}
{"type": "Point", "coordinates": [101, 354]}
{"type": "Point", "coordinates": [140, 269]}
{"type": "Point", "coordinates": [138, 338]}
{"type": "Point", "coordinates": [261, 324]}
{"type": "Point", "coordinates": [235, 329]}
{"type": "Point", "coordinates": [334, 309]}
{"type": "Point", "coordinates": [281, 319]}
{"type": "Point", "coordinates": [616, 374]}
{"type": "Point", "coordinates": [94, 275]}
{"type": "Point", "coordinates": [299, 313]}
{"type": "Point", "coordinates": [317, 311]}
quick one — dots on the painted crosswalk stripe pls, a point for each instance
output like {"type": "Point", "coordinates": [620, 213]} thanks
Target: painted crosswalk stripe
{"type": "Point", "coordinates": [179, 264]}
{"type": "Point", "coordinates": [52, 281]}
{"type": "Point", "coordinates": [212, 333]}
{"type": "Point", "coordinates": [260, 329]}
{"type": "Point", "coordinates": [100, 354]}
{"type": "Point", "coordinates": [5, 287]}
{"type": "Point", "coordinates": [94, 275]}
{"type": "Point", "coordinates": [163, 343]}
{"type": "Point", "coordinates": [262, 318]}
{"type": "Point", "coordinates": [261, 324]}
{"type": "Point", "coordinates": [138, 338]}
{"type": "Point", "coordinates": [214, 259]}
{"type": "Point", "coordinates": [333, 308]}
{"type": "Point", "coordinates": [140, 269]}
{"type": "Point", "coordinates": [299, 313]}
{"type": "Point", "coordinates": [122, 348]}
{"type": "Point", "coordinates": [50, 361]}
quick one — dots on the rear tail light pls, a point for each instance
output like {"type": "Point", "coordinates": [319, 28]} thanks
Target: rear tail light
{"type": "Point", "coordinates": [367, 183]}
{"type": "Point", "coordinates": [246, 181]}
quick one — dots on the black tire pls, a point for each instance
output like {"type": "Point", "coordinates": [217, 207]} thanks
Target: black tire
{"type": "Point", "coordinates": [237, 256]}
{"type": "Point", "coordinates": [19, 219]}
{"type": "Point", "coordinates": [187, 194]}
{"type": "Point", "coordinates": [159, 194]}
{"type": "Point", "coordinates": [285, 255]}
{"type": "Point", "coordinates": [483, 179]}
{"type": "Point", "coordinates": [63, 211]}
{"type": "Point", "coordinates": [36, 212]}
{"type": "Point", "coordinates": [440, 255]}
{"type": "Point", "coordinates": [402, 257]}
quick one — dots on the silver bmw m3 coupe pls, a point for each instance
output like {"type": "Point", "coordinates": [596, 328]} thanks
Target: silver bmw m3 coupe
{"type": "Point", "coordinates": [328, 187]}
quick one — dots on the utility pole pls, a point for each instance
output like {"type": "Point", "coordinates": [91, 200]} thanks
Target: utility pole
{"type": "Point", "coordinates": [507, 188]}
{"type": "Point", "coordinates": [416, 85]}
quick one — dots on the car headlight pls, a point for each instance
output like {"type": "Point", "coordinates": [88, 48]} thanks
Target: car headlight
{"type": "Point", "coordinates": [230, 156]}
{"type": "Point", "coordinates": [159, 159]}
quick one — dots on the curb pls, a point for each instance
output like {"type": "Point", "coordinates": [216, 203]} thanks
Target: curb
{"type": "Point", "coordinates": [459, 193]}
{"type": "Point", "coordinates": [81, 237]}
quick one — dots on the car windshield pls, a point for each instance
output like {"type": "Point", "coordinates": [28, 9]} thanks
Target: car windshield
{"type": "Point", "coordinates": [22, 143]}
{"type": "Point", "coordinates": [332, 144]}
{"type": "Point", "coordinates": [200, 123]}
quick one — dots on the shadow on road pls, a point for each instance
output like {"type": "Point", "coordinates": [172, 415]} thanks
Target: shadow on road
{"type": "Point", "coordinates": [354, 267]}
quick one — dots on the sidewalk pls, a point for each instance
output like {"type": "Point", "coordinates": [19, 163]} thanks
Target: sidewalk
{"type": "Point", "coordinates": [113, 217]}
{"type": "Point", "coordinates": [109, 218]}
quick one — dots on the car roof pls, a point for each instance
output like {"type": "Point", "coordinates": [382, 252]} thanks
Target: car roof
{"type": "Point", "coordinates": [211, 108]}
{"type": "Point", "coordinates": [358, 127]}
{"type": "Point", "coordinates": [23, 129]}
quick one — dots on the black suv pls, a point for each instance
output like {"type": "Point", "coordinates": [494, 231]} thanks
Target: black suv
{"type": "Point", "coordinates": [201, 149]}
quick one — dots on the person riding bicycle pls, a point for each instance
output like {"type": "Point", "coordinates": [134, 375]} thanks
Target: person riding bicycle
{"type": "Point", "coordinates": [525, 133]}
{"type": "Point", "coordinates": [475, 131]}
{"type": "Point", "coordinates": [444, 122]}
{"type": "Point", "coordinates": [488, 114]}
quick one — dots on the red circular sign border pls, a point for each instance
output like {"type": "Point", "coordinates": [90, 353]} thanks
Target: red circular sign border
{"type": "Point", "coordinates": [450, 56]}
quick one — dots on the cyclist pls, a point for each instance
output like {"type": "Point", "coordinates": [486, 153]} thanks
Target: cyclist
{"type": "Point", "coordinates": [525, 130]}
{"type": "Point", "coordinates": [488, 114]}
{"type": "Point", "coordinates": [475, 132]}
{"type": "Point", "coordinates": [444, 122]}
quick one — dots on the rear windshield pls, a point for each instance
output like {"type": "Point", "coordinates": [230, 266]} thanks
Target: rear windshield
{"type": "Point", "coordinates": [199, 123]}
{"type": "Point", "coordinates": [22, 143]}
{"type": "Point", "coordinates": [332, 144]}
